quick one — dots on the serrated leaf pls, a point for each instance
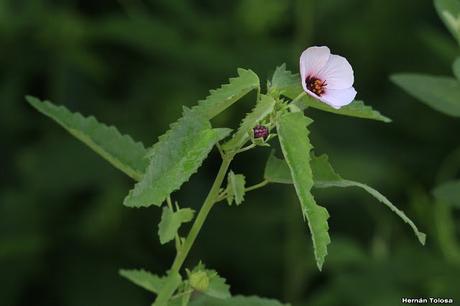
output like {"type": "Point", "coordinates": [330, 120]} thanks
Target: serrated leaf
{"type": "Point", "coordinates": [191, 123]}
{"type": "Point", "coordinates": [174, 159]}
{"type": "Point", "coordinates": [355, 109]}
{"type": "Point", "coordinates": [448, 193]}
{"type": "Point", "coordinates": [347, 183]}
{"type": "Point", "coordinates": [120, 150]}
{"type": "Point", "coordinates": [144, 279]}
{"type": "Point", "coordinates": [277, 170]}
{"type": "Point", "coordinates": [285, 82]}
{"type": "Point", "coordinates": [235, 188]}
{"type": "Point", "coordinates": [440, 93]}
{"type": "Point", "coordinates": [171, 283]}
{"type": "Point", "coordinates": [449, 11]}
{"type": "Point", "coordinates": [456, 68]}
{"type": "Point", "coordinates": [218, 287]}
{"type": "Point", "coordinates": [296, 147]}
{"type": "Point", "coordinates": [322, 170]}
{"type": "Point", "coordinates": [325, 176]}
{"type": "Point", "coordinates": [262, 109]}
{"type": "Point", "coordinates": [222, 98]}
{"type": "Point", "coordinates": [235, 301]}
{"type": "Point", "coordinates": [171, 222]}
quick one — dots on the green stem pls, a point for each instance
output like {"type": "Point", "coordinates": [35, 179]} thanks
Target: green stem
{"type": "Point", "coordinates": [182, 294]}
{"type": "Point", "coordinates": [257, 186]}
{"type": "Point", "coordinates": [251, 146]}
{"type": "Point", "coordinates": [201, 217]}
{"type": "Point", "coordinates": [211, 199]}
{"type": "Point", "coordinates": [297, 99]}
{"type": "Point", "coordinates": [297, 105]}
{"type": "Point", "coordinates": [222, 196]}
{"type": "Point", "coordinates": [221, 152]}
{"type": "Point", "coordinates": [166, 294]}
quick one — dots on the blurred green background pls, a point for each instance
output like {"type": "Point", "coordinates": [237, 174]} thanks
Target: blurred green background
{"type": "Point", "coordinates": [133, 63]}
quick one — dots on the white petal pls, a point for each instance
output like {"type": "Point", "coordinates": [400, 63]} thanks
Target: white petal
{"type": "Point", "coordinates": [337, 73]}
{"type": "Point", "coordinates": [312, 60]}
{"type": "Point", "coordinates": [338, 97]}
{"type": "Point", "coordinates": [311, 93]}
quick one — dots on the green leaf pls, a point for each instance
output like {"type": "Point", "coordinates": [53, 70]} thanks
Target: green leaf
{"type": "Point", "coordinates": [449, 11]}
{"type": "Point", "coordinates": [446, 231]}
{"type": "Point", "coordinates": [171, 222]}
{"type": "Point", "coordinates": [456, 68]}
{"type": "Point", "coordinates": [277, 170]}
{"type": "Point", "coordinates": [171, 283]}
{"type": "Point", "coordinates": [120, 150]}
{"type": "Point", "coordinates": [293, 136]}
{"type": "Point", "coordinates": [235, 301]}
{"type": "Point", "coordinates": [322, 170]}
{"type": "Point", "coordinates": [285, 82]}
{"type": "Point", "coordinates": [175, 158]}
{"type": "Point", "coordinates": [325, 176]}
{"type": "Point", "coordinates": [355, 109]}
{"type": "Point", "coordinates": [449, 193]}
{"type": "Point", "coordinates": [262, 109]}
{"type": "Point", "coordinates": [218, 286]}
{"type": "Point", "coordinates": [440, 93]}
{"type": "Point", "coordinates": [235, 188]}
{"type": "Point", "coordinates": [190, 124]}
{"type": "Point", "coordinates": [347, 183]}
{"type": "Point", "coordinates": [144, 279]}
{"type": "Point", "coordinates": [222, 98]}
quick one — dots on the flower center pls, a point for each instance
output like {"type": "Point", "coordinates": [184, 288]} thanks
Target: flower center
{"type": "Point", "coordinates": [315, 85]}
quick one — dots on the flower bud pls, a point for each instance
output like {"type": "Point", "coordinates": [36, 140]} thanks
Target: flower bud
{"type": "Point", "coordinates": [261, 131]}
{"type": "Point", "coordinates": [199, 281]}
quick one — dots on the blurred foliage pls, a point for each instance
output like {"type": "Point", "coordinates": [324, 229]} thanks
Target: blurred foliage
{"type": "Point", "coordinates": [64, 232]}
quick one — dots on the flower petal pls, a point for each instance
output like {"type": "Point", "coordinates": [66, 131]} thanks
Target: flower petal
{"type": "Point", "coordinates": [338, 97]}
{"type": "Point", "coordinates": [337, 73]}
{"type": "Point", "coordinates": [311, 93]}
{"type": "Point", "coordinates": [312, 61]}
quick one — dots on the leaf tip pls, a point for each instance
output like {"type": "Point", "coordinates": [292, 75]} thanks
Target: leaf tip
{"type": "Point", "coordinates": [319, 264]}
{"type": "Point", "coordinates": [400, 78]}
{"type": "Point", "coordinates": [386, 119]}
{"type": "Point", "coordinates": [394, 77]}
{"type": "Point", "coordinates": [32, 100]}
{"type": "Point", "coordinates": [422, 238]}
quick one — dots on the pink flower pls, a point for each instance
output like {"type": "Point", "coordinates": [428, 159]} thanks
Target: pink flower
{"type": "Point", "coordinates": [327, 77]}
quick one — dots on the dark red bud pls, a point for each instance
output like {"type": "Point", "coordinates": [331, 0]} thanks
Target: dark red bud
{"type": "Point", "coordinates": [261, 131]}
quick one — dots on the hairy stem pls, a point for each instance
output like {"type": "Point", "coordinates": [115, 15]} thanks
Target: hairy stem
{"type": "Point", "coordinates": [298, 98]}
{"type": "Point", "coordinates": [201, 217]}
{"type": "Point", "coordinates": [183, 251]}
{"type": "Point", "coordinates": [249, 147]}
{"type": "Point", "coordinates": [221, 152]}
{"type": "Point", "coordinates": [257, 186]}
{"type": "Point", "coordinates": [211, 199]}
{"type": "Point", "coordinates": [223, 195]}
